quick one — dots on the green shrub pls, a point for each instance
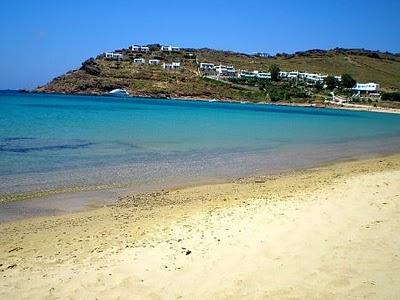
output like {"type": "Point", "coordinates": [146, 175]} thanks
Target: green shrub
{"type": "Point", "coordinates": [347, 81]}
{"type": "Point", "coordinates": [331, 82]}
{"type": "Point", "coordinates": [274, 70]}
{"type": "Point", "coordinates": [395, 96]}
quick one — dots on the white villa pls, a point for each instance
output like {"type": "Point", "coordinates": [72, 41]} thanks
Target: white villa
{"type": "Point", "coordinates": [254, 74]}
{"type": "Point", "coordinates": [338, 78]}
{"type": "Point", "coordinates": [283, 74]}
{"type": "Point", "coordinates": [223, 70]}
{"type": "Point", "coordinates": [247, 74]}
{"type": "Point", "coordinates": [207, 66]}
{"type": "Point", "coordinates": [139, 61]}
{"type": "Point", "coordinates": [154, 61]}
{"type": "Point", "coordinates": [315, 78]}
{"type": "Point", "coordinates": [173, 66]}
{"type": "Point", "coordinates": [262, 54]}
{"type": "Point", "coordinates": [210, 70]}
{"type": "Point", "coordinates": [136, 48]}
{"type": "Point", "coordinates": [113, 55]}
{"type": "Point", "coordinates": [293, 75]}
{"type": "Point", "coordinates": [370, 87]}
{"type": "Point", "coordinates": [264, 75]}
{"type": "Point", "coordinates": [302, 75]}
{"type": "Point", "coordinates": [170, 49]}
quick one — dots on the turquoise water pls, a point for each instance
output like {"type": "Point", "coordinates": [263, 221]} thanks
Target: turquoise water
{"type": "Point", "coordinates": [56, 141]}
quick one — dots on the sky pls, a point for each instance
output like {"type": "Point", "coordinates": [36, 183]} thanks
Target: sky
{"type": "Point", "coordinates": [46, 38]}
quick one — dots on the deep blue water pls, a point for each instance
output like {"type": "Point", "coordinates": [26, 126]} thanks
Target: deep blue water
{"type": "Point", "coordinates": [52, 141]}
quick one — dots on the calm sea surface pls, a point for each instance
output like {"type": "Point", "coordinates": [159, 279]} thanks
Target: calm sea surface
{"type": "Point", "coordinates": [58, 141]}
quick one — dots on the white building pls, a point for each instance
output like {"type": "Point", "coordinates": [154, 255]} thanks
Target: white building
{"type": "Point", "coordinates": [170, 49]}
{"type": "Point", "coordinates": [247, 74]}
{"type": "Point", "coordinates": [283, 74]}
{"type": "Point", "coordinates": [370, 87]}
{"type": "Point", "coordinates": [139, 61]}
{"type": "Point", "coordinates": [315, 78]}
{"type": "Point", "coordinates": [206, 66]}
{"type": "Point", "coordinates": [154, 61]}
{"type": "Point", "coordinates": [262, 54]}
{"type": "Point", "coordinates": [322, 78]}
{"type": "Point", "coordinates": [293, 75]}
{"type": "Point", "coordinates": [223, 70]}
{"type": "Point", "coordinates": [254, 74]}
{"type": "Point", "coordinates": [113, 55]}
{"type": "Point", "coordinates": [264, 75]}
{"type": "Point", "coordinates": [311, 77]}
{"type": "Point", "coordinates": [302, 75]}
{"type": "Point", "coordinates": [173, 66]}
{"type": "Point", "coordinates": [136, 48]}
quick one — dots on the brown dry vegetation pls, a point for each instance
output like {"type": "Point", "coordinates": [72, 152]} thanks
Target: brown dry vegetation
{"type": "Point", "coordinates": [384, 70]}
{"type": "Point", "coordinates": [99, 75]}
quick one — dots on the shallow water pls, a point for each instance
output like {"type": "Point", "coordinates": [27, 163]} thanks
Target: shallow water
{"type": "Point", "coordinates": [60, 141]}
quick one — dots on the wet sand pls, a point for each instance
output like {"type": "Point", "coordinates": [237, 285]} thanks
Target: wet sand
{"type": "Point", "coordinates": [326, 232]}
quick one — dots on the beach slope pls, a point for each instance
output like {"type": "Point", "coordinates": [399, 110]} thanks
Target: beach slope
{"type": "Point", "coordinates": [327, 232]}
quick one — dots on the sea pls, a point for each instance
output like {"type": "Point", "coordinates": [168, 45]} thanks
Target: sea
{"type": "Point", "coordinates": [76, 151]}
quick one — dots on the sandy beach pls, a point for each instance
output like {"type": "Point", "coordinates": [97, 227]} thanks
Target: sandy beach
{"type": "Point", "coordinates": [323, 233]}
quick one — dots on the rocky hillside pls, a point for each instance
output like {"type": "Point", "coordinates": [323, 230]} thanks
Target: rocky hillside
{"type": "Point", "coordinates": [99, 75]}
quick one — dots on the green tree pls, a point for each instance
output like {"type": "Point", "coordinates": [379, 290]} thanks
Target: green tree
{"type": "Point", "coordinates": [318, 86]}
{"type": "Point", "coordinates": [274, 69]}
{"type": "Point", "coordinates": [348, 81]}
{"type": "Point", "coordinates": [331, 82]}
{"type": "Point", "coordinates": [395, 96]}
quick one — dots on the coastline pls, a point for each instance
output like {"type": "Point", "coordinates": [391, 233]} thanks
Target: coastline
{"type": "Point", "coordinates": [329, 231]}
{"type": "Point", "coordinates": [40, 194]}
{"type": "Point", "coordinates": [76, 199]}
{"type": "Point", "coordinates": [325, 105]}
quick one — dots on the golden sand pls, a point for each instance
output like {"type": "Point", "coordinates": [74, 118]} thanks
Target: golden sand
{"type": "Point", "coordinates": [327, 232]}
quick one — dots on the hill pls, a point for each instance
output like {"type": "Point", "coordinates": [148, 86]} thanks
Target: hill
{"type": "Point", "coordinates": [363, 65]}
{"type": "Point", "coordinates": [99, 75]}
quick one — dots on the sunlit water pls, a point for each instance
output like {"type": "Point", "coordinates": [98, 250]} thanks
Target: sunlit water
{"type": "Point", "coordinates": [59, 141]}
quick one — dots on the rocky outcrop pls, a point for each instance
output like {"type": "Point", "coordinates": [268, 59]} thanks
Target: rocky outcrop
{"type": "Point", "coordinates": [91, 67]}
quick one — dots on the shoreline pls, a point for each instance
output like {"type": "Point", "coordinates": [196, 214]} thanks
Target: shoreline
{"type": "Point", "coordinates": [338, 218]}
{"type": "Point", "coordinates": [53, 202]}
{"type": "Point", "coordinates": [325, 105]}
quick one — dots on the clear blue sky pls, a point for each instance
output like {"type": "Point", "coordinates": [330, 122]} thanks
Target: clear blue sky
{"type": "Point", "coordinates": [44, 39]}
